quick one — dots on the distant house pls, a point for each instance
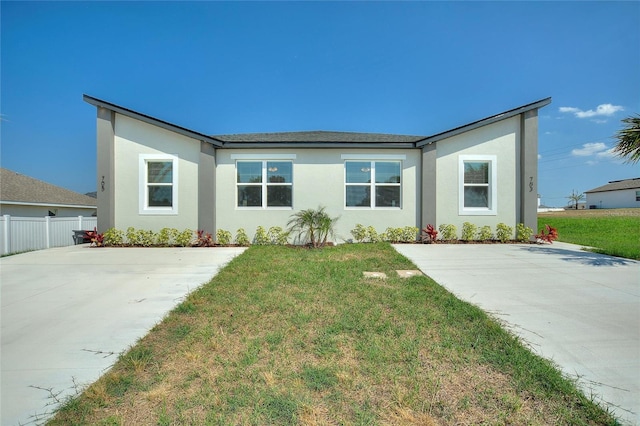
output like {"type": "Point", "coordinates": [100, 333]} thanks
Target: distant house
{"type": "Point", "coordinates": [24, 196]}
{"type": "Point", "coordinates": [155, 174]}
{"type": "Point", "coordinates": [615, 194]}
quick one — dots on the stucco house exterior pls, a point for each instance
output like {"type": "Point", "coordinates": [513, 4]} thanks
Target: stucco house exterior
{"type": "Point", "coordinates": [616, 194]}
{"type": "Point", "coordinates": [24, 196]}
{"type": "Point", "coordinates": [153, 174]}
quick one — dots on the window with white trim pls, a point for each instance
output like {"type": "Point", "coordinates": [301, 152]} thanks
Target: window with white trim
{"type": "Point", "coordinates": [158, 175]}
{"type": "Point", "coordinates": [477, 193]}
{"type": "Point", "coordinates": [264, 184]}
{"type": "Point", "coordinates": [373, 183]}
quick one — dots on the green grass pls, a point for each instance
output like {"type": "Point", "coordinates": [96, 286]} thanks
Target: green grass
{"type": "Point", "coordinates": [612, 235]}
{"type": "Point", "coordinates": [297, 336]}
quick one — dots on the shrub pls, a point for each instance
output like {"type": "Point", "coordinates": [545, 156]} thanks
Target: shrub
{"type": "Point", "coordinates": [113, 237]}
{"type": "Point", "coordinates": [312, 226]}
{"type": "Point", "coordinates": [469, 231]}
{"type": "Point", "coordinates": [277, 236]}
{"type": "Point", "coordinates": [261, 238]}
{"type": "Point", "coordinates": [131, 235]}
{"type": "Point", "coordinates": [167, 237]}
{"type": "Point", "coordinates": [448, 231]}
{"type": "Point", "coordinates": [504, 232]}
{"type": "Point", "coordinates": [392, 235]}
{"type": "Point", "coordinates": [372, 235]}
{"type": "Point", "coordinates": [242, 239]}
{"type": "Point", "coordinates": [523, 233]}
{"type": "Point", "coordinates": [144, 237]}
{"type": "Point", "coordinates": [429, 234]}
{"type": "Point", "coordinates": [204, 239]}
{"type": "Point", "coordinates": [223, 237]}
{"type": "Point", "coordinates": [359, 233]}
{"type": "Point", "coordinates": [550, 236]}
{"type": "Point", "coordinates": [184, 238]}
{"type": "Point", "coordinates": [485, 233]}
{"type": "Point", "coordinates": [409, 234]}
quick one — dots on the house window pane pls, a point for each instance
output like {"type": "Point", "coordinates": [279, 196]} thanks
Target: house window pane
{"type": "Point", "coordinates": [160, 196]}
{"type": "Point", "coordinates": [249, 172]}
{"type": "Point", "coordinates": [358, 196]}
{"type": "Point", "coordinates": [387, 196]}
{"type": "Point", "coordinates": [278, 196]}
{"type": "Point", "coordinates": [249, 196]}
{"type": "Point", "coordinates": [160, 171]}
{"type": "Point", "coordinates": [476, 196]}
{"type": "Point", "coordinates": [358, 172]}
{"type": "Point", "coordinates": [387, 172]}
{"type": "Point", "coordinates": [476, 172]}
{"type": "Point", "coordinates": [637, 195]}
{"type": "Point", "coordinates": [279, 171]}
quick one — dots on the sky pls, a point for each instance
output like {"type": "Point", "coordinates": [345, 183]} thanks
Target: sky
{"type": "Point", "coordinates": [415, 68]}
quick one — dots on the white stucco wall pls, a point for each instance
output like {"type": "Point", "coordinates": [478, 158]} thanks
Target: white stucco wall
{"type": "Point", "coordinates": [134, 137]}
{"type": "Point", "coordinates": [623, 198]}
{"type": "Point", "coordinates": [318, 180]}
{"type": "Point", "coordinates": [500, 139]}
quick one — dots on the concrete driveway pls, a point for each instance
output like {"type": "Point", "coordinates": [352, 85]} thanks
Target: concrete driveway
{"type": "Point", "coordinates": [579, 309]}
{"type": "Point", "coordinates": [67, 313]}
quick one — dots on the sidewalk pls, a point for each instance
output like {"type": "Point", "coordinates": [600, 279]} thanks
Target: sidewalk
{"type": "Point", "coordinates": [580, 309]}
{"type": "Point", "coordinates": [67, 313]}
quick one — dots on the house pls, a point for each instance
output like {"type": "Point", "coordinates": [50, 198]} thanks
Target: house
{"type": "Point", "coordinates": [154, 174]}
{"type": "Point", "coordinates": [615, 194]}
{"type": "Point", "coordinates": [25, 196]}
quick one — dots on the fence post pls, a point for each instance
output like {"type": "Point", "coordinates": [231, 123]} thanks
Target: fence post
{"type": "Point", "coordinates": [47, 225]}
{"type": "Point", "coordinates": [80, 228]}
{"type": "Point", "coordinates": [7, 234]}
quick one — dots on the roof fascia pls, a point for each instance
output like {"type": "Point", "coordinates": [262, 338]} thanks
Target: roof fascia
{"type": "Point", "coordinates": [254, 145]}
{"type": "Point", "coordinates": [26, 203]}
{"type": "Point", "coordinates": [483, 122]}
{"type": "Point", "coordinates": [151, 120]}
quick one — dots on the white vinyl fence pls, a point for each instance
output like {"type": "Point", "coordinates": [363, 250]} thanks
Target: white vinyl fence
{"type": "Point", "coordinates": [18, 234]}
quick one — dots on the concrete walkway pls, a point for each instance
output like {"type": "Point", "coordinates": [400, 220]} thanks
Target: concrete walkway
{"type": "Point", "coordinates": [580, 309]}
{"type": "Point", "coordinates": [67, 313]}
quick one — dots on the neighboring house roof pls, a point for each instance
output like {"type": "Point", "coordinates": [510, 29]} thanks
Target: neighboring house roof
{"type": "Point", "coordinates": [20, 189]}
{"type": "Point", "coordinates": [315, 139]}
{"type": "Point", "coordinates": [617, 185]}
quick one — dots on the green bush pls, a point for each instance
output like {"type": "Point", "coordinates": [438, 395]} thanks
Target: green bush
{"type": "Point", "coordinates": [448, 232]}
{"type": "Point", "coordinates": [242, 239]}
{"type": "Point", "coordinates": [359, 233]}
{"type": "Point", "coordinates": [372, 235]}
{"type": "Point", "coordinates": [223, 237]}
{"type": "Point", "coordinates": [167, 237]}
{"type": "Point", "coordinates": [469, 231]}
{"type": "Point", "coordinates": [504, 232]}
{"type": "Point", "coordinates": [131, 235]}
{"type": "Point", "coordinates": [184, 238]}
{"type": "Point", "coordinates": [145, 238]}
{"type": "Point", "coordinates": [485, 233]}
{"type": "Point", "coordinates": [409, 234]}
{"type": "Point", "coordinates": [312, 226]}
{"type": "Point", "coordinates": [261, 238]}
{"type": "Point", "coordinates": [392, 235]}
{"type": "Point", "coordinates": [278, 236]}
{"type": "Point", "coordinates": [113, 237]}
{"type": "Point", "coordinates": [523, 233]}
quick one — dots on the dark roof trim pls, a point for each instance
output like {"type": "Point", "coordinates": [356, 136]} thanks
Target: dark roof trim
{"type": "Point", "coordinates": [253, 145]}
{"type": "Point", "coordinates": [485, 121]}
{"type": "Point", "coordinates": [150, 120]}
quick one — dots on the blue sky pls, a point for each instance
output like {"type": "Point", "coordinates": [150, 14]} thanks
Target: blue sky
{"type": "Point", "coordinates": [391, 67]}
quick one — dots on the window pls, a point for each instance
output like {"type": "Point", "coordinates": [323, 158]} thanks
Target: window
{"type": "Point", "coordinates": [477, 185]}
{"type": "Point", "coordinates": [158, 184]}
{"type": "Point", "coordinates": [372, 184]}
{"type": "Point", "coordinates": [637, 195]}
{"type": "Point", "coordinates": [264, 184]}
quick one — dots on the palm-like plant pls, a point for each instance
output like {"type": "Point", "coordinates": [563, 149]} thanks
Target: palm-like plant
{"type": "Point", "coordinates": [312, 226]}
{"type": "Point", "coordinates": [629, 140]}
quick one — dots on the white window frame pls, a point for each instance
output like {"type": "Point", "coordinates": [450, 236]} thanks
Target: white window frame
{"type": "Point", "coordinates": [373, 159]}
{"type": "Point", "coordinates": [264, 159]}
{"type": "Point", "coordinates": [143, 185]}
{"type": "Point", "coordinates": [492, 208]}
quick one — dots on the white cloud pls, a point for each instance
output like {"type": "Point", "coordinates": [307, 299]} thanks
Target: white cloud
{"type": "Point", "coordinates": [589, 149]}
{"type": "Point", "coordinates": [602, 110]}
{"type": "Point", "coordinates": [606, 154]}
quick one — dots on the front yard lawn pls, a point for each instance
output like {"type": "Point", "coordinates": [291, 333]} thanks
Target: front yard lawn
{"type": "Point", "coordinates": [297, 336]}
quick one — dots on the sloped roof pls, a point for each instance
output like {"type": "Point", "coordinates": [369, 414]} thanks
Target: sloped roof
{"type": "Point", "coordinates": [315, 139]}
{"type": "Point", "coordinates": [18, 188]}
{"type": "Point", "coordinates": [617, 185]}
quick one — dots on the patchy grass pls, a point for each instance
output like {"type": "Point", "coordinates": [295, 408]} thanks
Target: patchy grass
{"type": "Point", "coordinates": [297, 336]}
{"type": "Point", "coordinates": [615, 232]}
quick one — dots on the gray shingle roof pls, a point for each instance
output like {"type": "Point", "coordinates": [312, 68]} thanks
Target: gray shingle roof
{"type": "Point", "coordinates": [24, 189]}
{"type": "Point", "coordinates": [318, 136]}
{"type": "Point", "coordinates": [616, 185]}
